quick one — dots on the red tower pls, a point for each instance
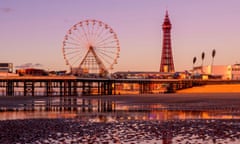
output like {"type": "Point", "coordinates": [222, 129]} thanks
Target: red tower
{"type": "Point", "coordinates": [167, 57]}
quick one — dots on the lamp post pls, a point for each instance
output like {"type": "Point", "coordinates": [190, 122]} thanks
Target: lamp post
{"type": "Point", "coordinates": [213, 55]}
{"type": "Point", "coordinates": [203, 56]}
{"type": "Point", "coordinates": [194, 61]}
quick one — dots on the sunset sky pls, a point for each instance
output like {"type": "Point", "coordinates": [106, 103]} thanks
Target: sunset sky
{"type": "Point", "coordinates": [32, 31]}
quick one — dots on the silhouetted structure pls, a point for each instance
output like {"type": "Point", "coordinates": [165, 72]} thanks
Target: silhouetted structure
{"type": "Point", "coordinates": [167, 58]}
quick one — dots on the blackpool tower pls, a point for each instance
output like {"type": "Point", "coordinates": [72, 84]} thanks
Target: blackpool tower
{"type": "Point", "coordinates": [167, 57]}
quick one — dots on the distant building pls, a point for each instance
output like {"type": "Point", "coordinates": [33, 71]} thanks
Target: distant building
{"type": "Point", "coordinates": [78, 71]}
{"type": "Point", "coordinates": [6, 67]}
{"type": "Point", "coordinates": [59, 73]}
{"type": "Point", "coordinates": [235, 72]}
{"type": "Point", "coordinates": [31, 72]}
{"type": "Point", "coordinates": [84, 72]}
{"type": "Point", "coordinates": [142, 75]}
{"type": "Point", "coordinates": [227, 72]}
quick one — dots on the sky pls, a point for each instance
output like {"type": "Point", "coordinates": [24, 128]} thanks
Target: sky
{"type": "Point", "coordinates": [32, 32]}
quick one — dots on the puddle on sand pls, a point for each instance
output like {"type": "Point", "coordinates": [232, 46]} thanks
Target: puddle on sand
{"type": "Point", "coordinates": [124, 115]}
{"type": "Point", "coordinates": [102, 110]}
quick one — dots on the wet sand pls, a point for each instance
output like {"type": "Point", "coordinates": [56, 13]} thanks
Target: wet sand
{"type": "Point", "coordinates": [132, 131]}
{"type": "Point", "coordinates": [178, 101]}
{"type": "Point", "coordinates": [72, 131]}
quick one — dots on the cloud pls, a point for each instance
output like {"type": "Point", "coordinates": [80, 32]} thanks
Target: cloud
{"type": "Point", "coordinates": [6, 10]}
{"type": "Point", "coordinates": [29, 65]}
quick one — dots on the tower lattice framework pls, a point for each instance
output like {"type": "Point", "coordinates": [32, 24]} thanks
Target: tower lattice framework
{"type": "Point", "coordinates": [167, 64]}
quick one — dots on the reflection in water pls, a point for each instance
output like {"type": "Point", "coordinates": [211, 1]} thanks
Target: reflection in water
{"type": "Point", "coordinates": [103, 110]}
{"type": "Point", "coordinates": [35, 115]}
{"type": "Point", "coordinates": [141, 116]}
{"type": "Point", "coordinates": [79, 105]}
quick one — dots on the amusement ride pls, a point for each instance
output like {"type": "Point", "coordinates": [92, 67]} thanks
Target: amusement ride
{"type": "Point", "coordinates": [91, 47]}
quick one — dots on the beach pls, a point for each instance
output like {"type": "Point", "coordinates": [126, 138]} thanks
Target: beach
{"type": "Point", "coordinates": [196, 98]}
{"type": "Point", "coordinates": [129, 131]}
{"type": "Point", "coordinates": [222, 88]}
{"type": "Point", "coordinates": [73, 131]}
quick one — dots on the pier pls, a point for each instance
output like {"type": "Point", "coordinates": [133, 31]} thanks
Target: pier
{"type": "Point", "coordinates": [75, 86]}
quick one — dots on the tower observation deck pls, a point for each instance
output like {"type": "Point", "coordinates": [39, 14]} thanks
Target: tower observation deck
{"type": "Point", "coordinates": [167, 64]}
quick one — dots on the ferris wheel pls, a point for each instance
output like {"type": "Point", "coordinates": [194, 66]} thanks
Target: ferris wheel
{"type": "Point", "coordinates": [91, 46]}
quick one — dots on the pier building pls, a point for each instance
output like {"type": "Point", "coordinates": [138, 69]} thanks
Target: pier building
{"type": "Point", "coordinates": [32, 72]}
{"type": "Point", "coordinates": [6, 67]}
{"type": "Point", "coordinates": [225, 72]}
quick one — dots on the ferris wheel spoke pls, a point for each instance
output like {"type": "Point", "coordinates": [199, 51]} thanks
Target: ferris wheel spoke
{"type": "Point", "coordinates": [96, 30]}
{"type": "Point", "coordinates": [108, 43]}
{"type": "Point", "coordinates": [102, 36]}
{"type": "Point", "coordinates": [107, 51]}
{"type": "Point", "coordinates": [72, 43]}
{"type": "Point", "coordinates": [79, 39]}
{"type": "Point", "coordinates": [103, 40]}
{"type": "Point", "coordinates": [72, 48]}
{"type": "Point", "coordinates": [72, 57]}
{"type": "Point", "coordinates": [72, 52]}
{"type": "Point", "coordinates": [89, 32]}
{"type": "Point", "coordinates": [107, 55]}
{"type": "Point", "coordinates": [95, 34]}
{"type": "Point", "coordinates": [74, 39]}
{"type": "Point", "coordinates": [92, 30]}
{"type": "Point", "coordinates": [77, 60]}
{"type": "Point", "coordinates": [99, 34]}
{"type": "Point", "coordinates": [72, 60]}
{"type": "Point", "coordinates": [85, 34]}
{"type": "Point", "coordinates": [81, 36]}
{"type": "Point", "coordinates": [106, 60]}
{"type": "Point", "coordinates": [106, 47]}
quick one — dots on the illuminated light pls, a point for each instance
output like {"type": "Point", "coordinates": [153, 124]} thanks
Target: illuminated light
{"type": "Point", "coordinates": [144, 118]}
{"type": "Point", "coordinates": [136, 117]}
{"type": "Point", "coordinates": [205, 115]}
